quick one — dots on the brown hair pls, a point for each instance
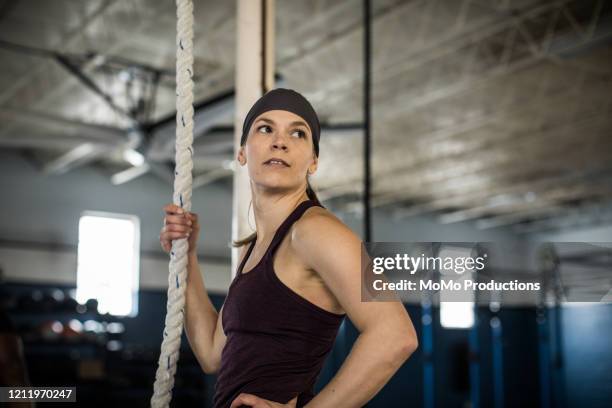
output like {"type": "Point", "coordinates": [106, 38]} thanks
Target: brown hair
{"type": "Point", "coordinates": [311, 195]}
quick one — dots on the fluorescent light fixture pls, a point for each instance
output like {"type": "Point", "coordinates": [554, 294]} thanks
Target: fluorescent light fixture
{"type": "Point", "coordinates": [109, 262]}
{"type": "Point", "coordinates": [133, 157]}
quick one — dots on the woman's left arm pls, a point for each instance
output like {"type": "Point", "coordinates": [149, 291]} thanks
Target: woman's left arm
{"type": "Point", "coordinates": [387, 337]}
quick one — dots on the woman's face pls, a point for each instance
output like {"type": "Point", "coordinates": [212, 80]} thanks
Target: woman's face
{"type": "Point", "coordinates": [282, 135]}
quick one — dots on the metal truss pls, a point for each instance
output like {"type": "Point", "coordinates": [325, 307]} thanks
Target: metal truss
{"type": "Point", "coordinates": [545, 33]}
{"type": "Point", "coordinates": [454, 173]}
{"type": "Point", "coordinates": [548, 31]}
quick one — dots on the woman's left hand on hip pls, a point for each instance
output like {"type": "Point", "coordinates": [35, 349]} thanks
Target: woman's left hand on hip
{"type": "Point", "coordinates": [254, 401]}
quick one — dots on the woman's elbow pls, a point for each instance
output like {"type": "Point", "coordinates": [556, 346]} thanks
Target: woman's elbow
{"type": "Point", "coordinates": [209, 364]}
{"type": "Point", "coordinates": [407, 347]}
{"type": "Point", "coordinates": [399, 351]}
{"type": "Point", "coordinates": [412, 345]}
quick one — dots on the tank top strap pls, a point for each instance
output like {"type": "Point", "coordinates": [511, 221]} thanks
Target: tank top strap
{"type": "Point", "coordinates": [288, 222]}
{"type": "Point", "coordinates": [246, 256]}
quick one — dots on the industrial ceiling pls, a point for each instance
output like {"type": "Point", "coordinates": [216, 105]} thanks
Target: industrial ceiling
{"type": "Point", "coordinates": [497, 112]}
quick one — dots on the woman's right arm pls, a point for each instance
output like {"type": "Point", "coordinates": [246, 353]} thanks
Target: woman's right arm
{"type": "Point", "coordinates": [202, 322]}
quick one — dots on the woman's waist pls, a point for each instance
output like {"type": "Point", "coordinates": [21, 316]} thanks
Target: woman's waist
{"type": "Point", "coordinates": [271, 386]}
{"type": "Point", "coordinates": [279, 365]}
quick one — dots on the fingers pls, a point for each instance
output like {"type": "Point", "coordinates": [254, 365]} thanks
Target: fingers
{"type": "Point", "coordinates": [176, 210]}
{"type": "Point", "coordinates": [166, 245]}
{"type": "Point", "coordinates": [177, 219]}
{"type": "Point", "coordinates": [177, 224]}
{"type": "Point", "coordinates": [169, 235]}
{"type": "Point", "coordinates": [177, 228]}
{"type": "Point", "coordinates": [173, 209]}
{"type": "Point", "coordinates": [175, 214]}
{"type": "Point", "coordinates": [244, 399]}
{"type": "Point", "coordinates": [171, 232]}
{"type": "Point", "coordinates": [166, 241]}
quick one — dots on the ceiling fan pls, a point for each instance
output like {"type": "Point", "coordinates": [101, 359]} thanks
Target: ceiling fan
{"type": "Point", "coordinates": [146, 145]}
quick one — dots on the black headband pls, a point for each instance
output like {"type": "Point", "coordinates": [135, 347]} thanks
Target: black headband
{"type": "Point", "coordinates": [288, 100]}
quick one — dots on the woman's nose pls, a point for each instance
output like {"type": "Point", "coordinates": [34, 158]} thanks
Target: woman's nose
{"type": "Point", "coordinates": [279, 142]}
{"type": "Point", "coordinates": [279, 145]}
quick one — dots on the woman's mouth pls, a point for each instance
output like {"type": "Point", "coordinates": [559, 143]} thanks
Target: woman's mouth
{"type": "Point", "coordinates": [274, 162]}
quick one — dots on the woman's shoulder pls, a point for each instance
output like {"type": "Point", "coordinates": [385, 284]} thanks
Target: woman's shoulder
{"type": "Point", "coordinates": [317, 215]}
{"type": "Point", "coordinates": [320, 240]}
{"type": "Point", "coordinates": [317, 221]}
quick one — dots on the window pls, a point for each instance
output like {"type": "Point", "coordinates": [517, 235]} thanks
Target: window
{"type": "Point", "coordinates": [456, 314]}
{"type": "Point", "coordinates": [108, 262]}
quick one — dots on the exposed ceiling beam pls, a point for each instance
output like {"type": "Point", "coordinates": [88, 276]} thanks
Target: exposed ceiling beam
{"type": "Point", "coordinates": [539, 210]}
{"type": "Point", "coordinates": [210, 176]}
{"type": "Point", "coordinates": [49, 142]}
{"type": "Point", "coordinates": [47, 80]}
{"type": "Point", "coordinates": [339, 35]}
{"type": "Point", "coordinates": [75, 157]}
{"type": "Point", "coordinates": [471, 79]}
{"type": "Point", "coordinates": [547, 144]}
{"type": "Point", "coordinates": [519, 209]}
{"type": "Point", "coordinates": [129, 174]}
{"type": "Point", "coordinates": [90, 84]}
{"type": "Point", "coordinates": [431, 146]}
{"type": "Point", "coordinates": [64, 42]}
{"type": "Point", "coordinates": [455, 39]}
{"type": "Point", "coordinates": [587, 215]}
{"type": "Point", "coordinates": [427, 145]}
{"type": "Point", "coordinates": [208, 114]}
{"type": "Point", "coordinates": [77, 131]}
{"type": "Point", "coordinates": [543, 153]}
{"type": "Point", "coordinates": [526, 189]}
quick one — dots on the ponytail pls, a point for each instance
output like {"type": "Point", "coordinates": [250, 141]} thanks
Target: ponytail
{"type": "Point", "coordinates": [311, 193]}
{"type": "Point", "coordinates": [244, 241]}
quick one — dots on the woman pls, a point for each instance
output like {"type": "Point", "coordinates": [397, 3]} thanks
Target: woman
{"type": "Point", "coordinates": [299, 275]}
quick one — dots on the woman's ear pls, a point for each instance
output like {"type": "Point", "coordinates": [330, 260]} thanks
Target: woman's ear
{"type": "Point", "coordinates": [313, 167]}
{"type": "Point", "coordinates": [241, 157]}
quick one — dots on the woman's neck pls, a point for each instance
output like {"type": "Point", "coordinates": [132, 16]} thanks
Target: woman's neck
{"type": "Point", "coordinates": [271, 210]}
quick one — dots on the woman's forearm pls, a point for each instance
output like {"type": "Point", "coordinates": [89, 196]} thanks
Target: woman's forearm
{"type": "Point", "coordinates": [370, 364]}
{"type": "Point", "coordinates": [200, 314]}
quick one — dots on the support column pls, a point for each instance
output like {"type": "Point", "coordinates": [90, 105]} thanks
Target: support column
{"type": "Point", "coordinates": [254, 77]}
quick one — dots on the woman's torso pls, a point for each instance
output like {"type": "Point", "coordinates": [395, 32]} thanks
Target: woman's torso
{"type": "Point", "coordinates": [280, 323]}
{"type": "Point", "coordinates": [294, 273]}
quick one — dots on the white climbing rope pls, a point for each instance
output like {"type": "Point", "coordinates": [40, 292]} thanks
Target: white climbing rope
{"type": "Point", "coordinates": [177, 278]}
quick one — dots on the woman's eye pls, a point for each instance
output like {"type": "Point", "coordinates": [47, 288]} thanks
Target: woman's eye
{"type": "Point", "coordinates": [263, 126]}
{"type": "Point", "coordinates": [300, 133]}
